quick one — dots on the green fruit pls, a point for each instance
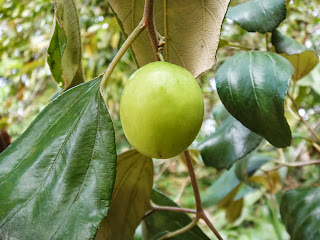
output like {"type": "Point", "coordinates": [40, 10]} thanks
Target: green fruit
{"type": "Point", "coordinates": [161, 109]}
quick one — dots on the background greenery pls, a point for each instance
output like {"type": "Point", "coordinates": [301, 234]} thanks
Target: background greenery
{"type": "Point", "coordinates": [26, 87]}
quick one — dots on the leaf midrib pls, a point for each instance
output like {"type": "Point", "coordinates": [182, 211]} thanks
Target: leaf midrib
{"type": "Point", "coordinates": [89, 165]}
{"type": "Point", "coordinates": [252, 82]}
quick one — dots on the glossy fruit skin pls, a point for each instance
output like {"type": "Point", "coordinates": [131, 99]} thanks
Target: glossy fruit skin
{"type": "Point", "coordinates": [161, 109]}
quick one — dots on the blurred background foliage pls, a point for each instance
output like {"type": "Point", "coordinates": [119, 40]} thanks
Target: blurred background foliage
{"type": "Point", "coordinates": [26, 87]}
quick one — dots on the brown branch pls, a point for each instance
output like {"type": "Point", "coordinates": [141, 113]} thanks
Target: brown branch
{"type": "Point", "coordinates": [210, 225]}
{"type": "Point", "coordinates": [181, 230]}
{"type": "Point", "coordinates": [300, 164]}
{"type": "Point", "coordinates": [148, 18]}
{"type": "Point", "coordinates": [200, 212]}
{"type": "Point", "coordinates": [293, 164]}
{"type": "Point", "coordinates": [193, 181]}
{"type": "Point", "coordinates": [172, 209]}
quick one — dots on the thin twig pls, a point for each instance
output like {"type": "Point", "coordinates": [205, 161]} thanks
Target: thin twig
{"type": "Point", "coordinates": [181, 190]}
{"type": "Point", "coordinates": [299, 164]}
{"type": "Point", "coordinates": [181, 230]}
{"type": "Point", "coordinates": [294, 164]}
{"type": "Point", "coordinates": [193, 181]}
{"type": "Point", "coordinates": [200, 214]}
{"type": "Point", "coordinates": [210, 225]}
{"type": "Point", "coordinates": [302, 119]}
{"type": "Point", "coordinates": [172, 209]}
{"type": "Point", "coordinates": [237, 45]}
{"type": "Point", "coordinates": [148, 19]}
{"type": "Point", "coordinates": [135, 33]}
{"type": "Point", "coordinates": [200, 211]}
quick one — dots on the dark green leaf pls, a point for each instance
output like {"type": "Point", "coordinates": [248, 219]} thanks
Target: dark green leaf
{"type": "Point", "coordinates": [197, 23]}
{"type": "Point", "coordinates": [228, 144]}
{"type": "Point", "coordinates": [252, 86]}
{"type": "Point", "coordinates": [64, 52]}
{"type": "Point", "coordinates": [228, 181]}
{"type": "Point", "coordinates": [302, 59]}
{"type": "Point", "coordinates": [131, 196]}
{"type": "Point", "coordinates": [300, 213]}
{"type": "Point", "coordinates": [259, 16]}
{"type": "Point", "coordinates": [56, 179]}
{"type": "Point", "coordinates": [160, 223]}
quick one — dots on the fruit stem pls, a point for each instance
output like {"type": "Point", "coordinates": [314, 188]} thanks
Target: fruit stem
{"type": "Point", "coordinates": [135, 33]}
{"type": "Point", "coordinates": [160, 56]}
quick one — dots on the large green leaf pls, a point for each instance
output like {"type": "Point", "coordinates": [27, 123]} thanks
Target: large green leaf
{"type": "Point", "coordinates": [56, 179]}
{"type": "Point", "coordinates": [64, 52]}
{"type": "Point", "coordinates": [196, 22]}
{"type": "Point", "coordinates": [302, 59]}
{"type": "Point", "coordinates": [259, 16]}
{"type": "Point", "coordinates": [131, 196]}
{"type": "Point", "coordinates": [300, 213]}
{"type": "Point", "coordinates": [252, 86]}
{"type": "Point", "coordinates": [160, 223]}
{"type": "Point", "coordinates": [228, 181]}
{"type": "Point", "coordinates": [231, 142]}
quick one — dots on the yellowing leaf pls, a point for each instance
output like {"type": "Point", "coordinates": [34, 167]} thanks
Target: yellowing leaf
{"type": "Point", "coordinates": [191, 29]}
{"type": "Point", "coordinates": [233, 207]}
{"type": "Point", "coordinates": [233, 211]}
{"type": "Point", "coordinates": [131, 196]}
{"type": "Point", "coordinates": [302, 59]}
{"type": "Point", "coordinates": [271, 182]}
{"type": "Point", "coordinates": [64, 52]}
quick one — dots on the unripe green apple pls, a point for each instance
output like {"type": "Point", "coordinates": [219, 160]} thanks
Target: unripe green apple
{"type": "Point", "coordinates": [161, 109]}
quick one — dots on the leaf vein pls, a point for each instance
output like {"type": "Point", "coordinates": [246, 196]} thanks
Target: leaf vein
{"type": "Point", "coordinates": [89, 165]}
{"type": "Point", "coordinates": [9, 174]}
{"type": "Point", "coordinates": [252, 81]}
{"type": "Point", "coordinates": [49, 171]}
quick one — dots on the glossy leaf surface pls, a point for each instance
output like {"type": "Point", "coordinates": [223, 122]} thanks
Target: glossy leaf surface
{"type": "Point", "coordinates": [160, 223]}
{"type": "Point", "coordinates": [302, 59]}
{"type": "Point", "coordinates": [259, 16]}
{"type": "Point", "coordinates": [300, 213]}
{"type": "Point", "coordinates": [197, 22]}
{"type": "Point", "coordinates": [252, 87]}
{"type": "Point", "coordinates": [231, 142]}
{"type": "Point", "coordinates": [131, 196]}
{"type": "Point", "coordinates": [56, 179]}
{"type": "Point", "coordinates": [64, 52]}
